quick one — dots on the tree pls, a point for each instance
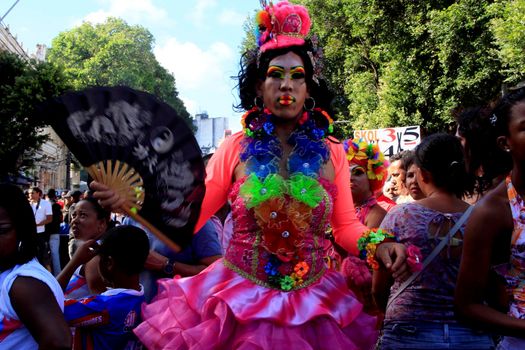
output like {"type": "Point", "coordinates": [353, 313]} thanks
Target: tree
{"type": "Point", "coordinates": [405, 62]}
{"type": "Point", "coordinates": [23, 85]}
{"type": "Point", "coordinates": [508, 27]}
{"type": "Point", "coordinates": [114, 53]}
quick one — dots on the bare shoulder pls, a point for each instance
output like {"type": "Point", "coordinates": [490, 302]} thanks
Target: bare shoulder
{"type": "Point", "coordinates": [375, 216]}
{"type": "Point", "coordinates": [493, 211]}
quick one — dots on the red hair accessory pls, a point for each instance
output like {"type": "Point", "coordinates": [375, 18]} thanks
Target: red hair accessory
{"type": "Point", "coordinates": [282, 25]}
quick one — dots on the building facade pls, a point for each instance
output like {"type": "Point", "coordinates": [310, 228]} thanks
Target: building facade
{"type": "Point", "coordinates": [210, 131]}
{"type": "Point", "coordinates": [50, 170]}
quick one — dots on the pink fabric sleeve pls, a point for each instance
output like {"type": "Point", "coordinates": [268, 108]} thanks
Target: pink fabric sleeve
{"type": "Point", "coordinates": [219, 177]}
{"type": "Point", "coordinates": [346, 227]}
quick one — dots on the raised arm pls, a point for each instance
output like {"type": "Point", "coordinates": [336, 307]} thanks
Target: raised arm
{"type": "Point", "coordinates": [346, 227]}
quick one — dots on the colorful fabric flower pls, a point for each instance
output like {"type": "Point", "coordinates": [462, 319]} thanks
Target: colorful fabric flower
{"type": "Point", "coordinates": [263, 166]}
{"type": "Point", "coordinates": [271, 213]}
{"type": "Point", "coordinates": [299, 214]}
{"type": "Point", "coordinates": [271, 269]}
{"type": "Point", "coordinates": [414, 258]}
{"type": "Point", "coordinates": [306, 189]}
{"type": "Point", "coordinates": [287, 283]}
{"type": "Point", "coordinates": [255, 191]}
{"type": "Point", "coordinates": [282, 241]}
{"type": "Point", "coordinates": [297, 280]}
{"type": "Point", "coordinates": [301, 268]}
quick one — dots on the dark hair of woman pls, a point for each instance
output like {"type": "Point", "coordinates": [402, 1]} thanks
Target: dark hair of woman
{"type": "Point", "coordinates": [253, 69]}
{"type": "Point", "coordinates": [442, 156]}
{"type": "Point", "coordinates": [408, 158]}
{"type": "Point", "coordinates": [481, 149]}
{"type": "Point", "coordinates": [500, 116]}
{"type": "Point", "coordinates": [13, 201]}
{"type": "Point", "coordinates": [102, 214]}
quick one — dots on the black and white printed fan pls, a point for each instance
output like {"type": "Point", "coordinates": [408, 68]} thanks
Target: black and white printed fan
{"type": "Point", "coordinates": [140, 148]}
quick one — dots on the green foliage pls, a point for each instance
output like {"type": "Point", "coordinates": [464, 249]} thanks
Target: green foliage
{"type": "Point", "coordinates": [405, 62]}
{"type": "Point", "coordinates": [508, 27]}
{"type": "Point", "coordinates": [23, 85]}
{"type": "Point", "coordinates": [114, 53]}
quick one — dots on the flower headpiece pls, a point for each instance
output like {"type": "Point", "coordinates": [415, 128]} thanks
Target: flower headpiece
{"type": "Point", "coordinates": [282, 25]}
{"type": "Point", "coordinates": [370, 157]}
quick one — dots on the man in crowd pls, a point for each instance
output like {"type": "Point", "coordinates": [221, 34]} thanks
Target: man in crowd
{"type": "Point", "coordinates": [52, 231]}
{"type": "Point", "coordinates": [43, 213]}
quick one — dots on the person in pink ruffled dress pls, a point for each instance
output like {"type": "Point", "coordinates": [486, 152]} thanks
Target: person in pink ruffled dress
{"type": "Point", "coordinates": [288, 184]}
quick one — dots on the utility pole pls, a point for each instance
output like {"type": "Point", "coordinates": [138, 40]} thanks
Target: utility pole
{"type": "Point", "coordinates": [2, 18]}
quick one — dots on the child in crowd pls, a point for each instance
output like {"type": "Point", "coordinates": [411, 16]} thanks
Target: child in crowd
{"type": "Point", "coordinates": [106, 319]}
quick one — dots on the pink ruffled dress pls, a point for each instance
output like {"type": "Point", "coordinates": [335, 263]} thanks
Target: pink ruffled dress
{"type": "Point", "coordinates": [233, 304]}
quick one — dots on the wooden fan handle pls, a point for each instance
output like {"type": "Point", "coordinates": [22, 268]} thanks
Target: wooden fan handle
{"type": "Point", "coordinates": [163, 238]}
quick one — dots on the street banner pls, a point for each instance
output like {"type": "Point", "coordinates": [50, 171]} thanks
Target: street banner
{"type": "Point", "coordinates": [392, 140]}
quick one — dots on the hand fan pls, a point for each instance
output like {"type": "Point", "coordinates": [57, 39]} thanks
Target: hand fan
{"type": "Point", "coordinates": [140, 148]}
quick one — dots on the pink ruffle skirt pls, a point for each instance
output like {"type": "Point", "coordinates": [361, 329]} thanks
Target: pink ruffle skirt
{"type": "Point", "coordinates": [219, 309]}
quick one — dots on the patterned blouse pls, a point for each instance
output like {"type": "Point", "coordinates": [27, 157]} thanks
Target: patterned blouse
{"type": "Point", "coordinates": [431, 296]}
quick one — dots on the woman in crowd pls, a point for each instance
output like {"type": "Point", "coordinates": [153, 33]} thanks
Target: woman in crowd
{"type": "Point", "coordinates": [31, 301]}
{"type": "Point", "coordinates": [411, 180]}
{"type": "Point", "coordinates": [420, 311]}
{"type": "Point", "coordinates": [89, 221]}
{"type": "Point", "coordinates": [368, 169]}
{"type": "Point", "coordinates": [494, 236]}
{"type": "Point", "coordinates": [485, 160]}
{"type": "Point", "coordinates": [287, 182]}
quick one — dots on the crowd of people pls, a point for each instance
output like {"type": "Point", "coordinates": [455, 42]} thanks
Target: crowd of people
{"type": "Point", "coordinates": [303, 241]}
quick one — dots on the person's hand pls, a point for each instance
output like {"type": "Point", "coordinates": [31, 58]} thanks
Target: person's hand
{"type": "Point", "coordinates": [85, 252]}
{"type": "Point", "coordinates": [393, 256]}
{"type": "Point", "coordinates": [108, 198]}
{"type": "Point", "coordinates": [155, 261]}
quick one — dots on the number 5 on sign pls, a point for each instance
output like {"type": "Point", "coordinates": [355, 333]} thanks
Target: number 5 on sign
{"type": "Point", "coordinates": [392, 140]}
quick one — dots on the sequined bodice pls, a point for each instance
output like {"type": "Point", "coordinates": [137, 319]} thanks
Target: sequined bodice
{"type": "Point", "coordinates": [248, 255]}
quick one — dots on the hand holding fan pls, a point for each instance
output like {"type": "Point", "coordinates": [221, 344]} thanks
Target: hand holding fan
{"type": "Point", "coordinates": [140, 148]}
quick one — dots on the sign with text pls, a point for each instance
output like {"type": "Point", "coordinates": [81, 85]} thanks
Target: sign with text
{"type": "Point", "coordinates": [392, 140]}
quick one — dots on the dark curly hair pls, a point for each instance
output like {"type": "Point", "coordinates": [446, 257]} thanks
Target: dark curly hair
{"type": "Point", "coordinates": [481, 149]}
{"type": "Point", "coordinates": [253, 70]}
{"type": "Point", "coordinates": [442, 156]}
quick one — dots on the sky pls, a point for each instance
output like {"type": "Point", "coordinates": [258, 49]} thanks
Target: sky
{"type": "Point", "coordinates": [196, 40]}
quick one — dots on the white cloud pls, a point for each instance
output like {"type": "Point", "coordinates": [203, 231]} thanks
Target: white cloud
{"type": "Point", "coordinates": [198, 14]}
{"type": "Point", "coordinates": [130, 10]}
{"type": "Point", "coordinates": [231, 17]}
{"type": "Point", "coordinates": [193, 67]}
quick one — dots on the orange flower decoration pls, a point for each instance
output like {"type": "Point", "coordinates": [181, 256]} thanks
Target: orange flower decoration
{"type": "Point", "coordinates": [282, 241]}
{"type": "Point", "coordinates": [301, 269]}
{"type": "Point", "coordinates": [300, 214]}
{"type": "Point", "coordinates": [270, 213]}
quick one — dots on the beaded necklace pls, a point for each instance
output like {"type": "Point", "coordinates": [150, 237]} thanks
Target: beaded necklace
{"type": "Point", "coordinates": [283, 207]}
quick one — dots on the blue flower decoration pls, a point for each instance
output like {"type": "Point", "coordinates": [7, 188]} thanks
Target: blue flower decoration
{"type": "Point", "coordinates": [262, 166]}
{"type": "Point", "coordinates": [269, 128]}
{"type": "Point", "coordinates": [308, 166]}
{"type": "Point", "coordinates": [271, 269]}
